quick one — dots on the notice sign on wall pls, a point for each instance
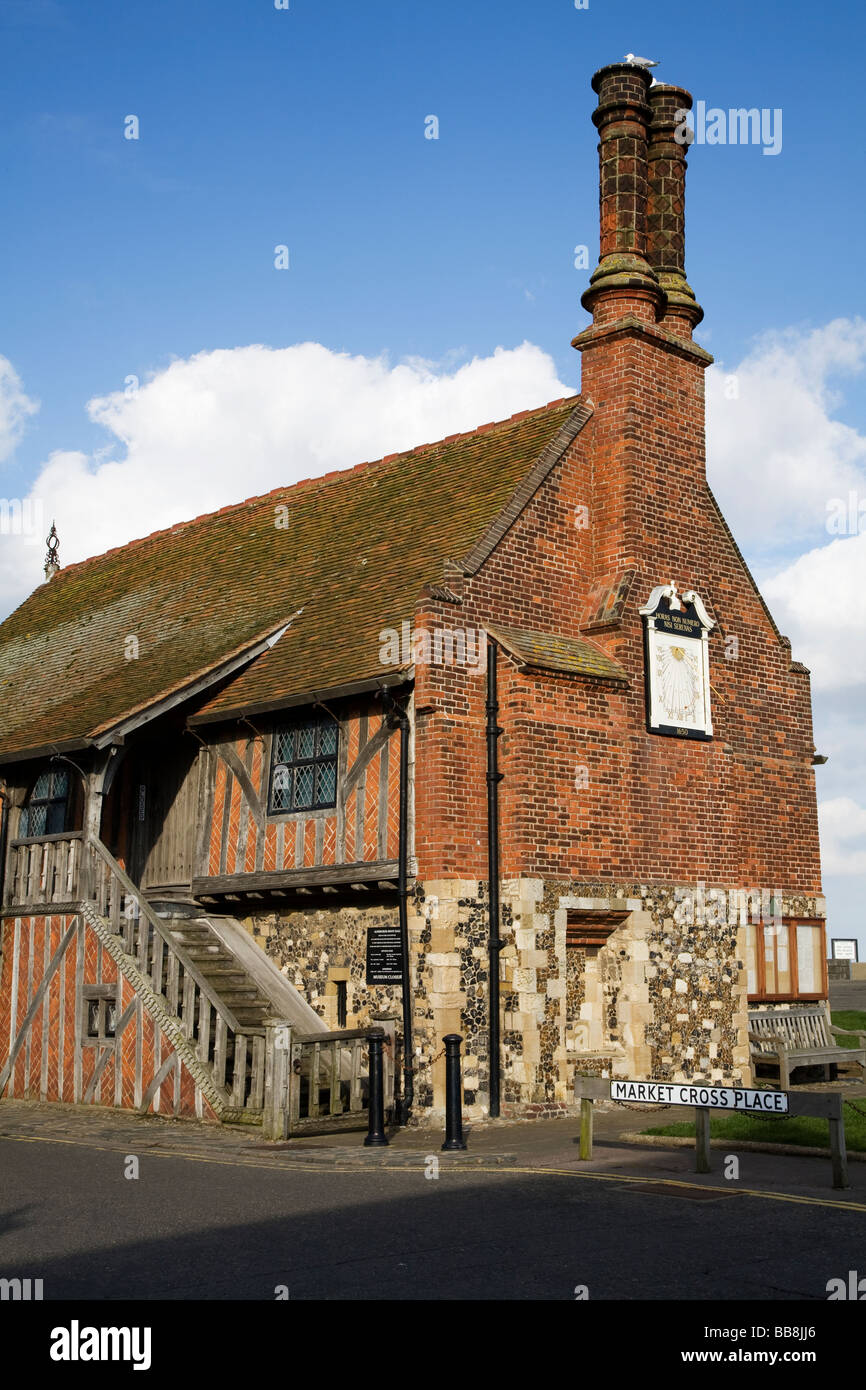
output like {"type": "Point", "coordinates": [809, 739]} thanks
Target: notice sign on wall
{"type": "Point", "coordinates": [709, 1097]}
{"type": "Point", "coordinates": [844, 948]}
{"type": "Point", "coordinates": [384, 956]}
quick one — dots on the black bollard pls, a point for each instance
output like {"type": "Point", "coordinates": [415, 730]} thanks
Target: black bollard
{"type": "Point", "coordinates": [376, 1136]}
{"type": "Point", "coordinates": [453, 1109]}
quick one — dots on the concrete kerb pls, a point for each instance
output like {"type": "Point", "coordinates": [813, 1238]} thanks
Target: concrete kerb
{"type": "Point", "coordinates": [334, 1157]}
{"type": "Point", "coordinates": [531, 1142]}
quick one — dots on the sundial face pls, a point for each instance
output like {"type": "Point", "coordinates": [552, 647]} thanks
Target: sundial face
{"type": "Point", "coordinates": [677, 664]}
{"type": "Point", "coordinates": [678, 676]}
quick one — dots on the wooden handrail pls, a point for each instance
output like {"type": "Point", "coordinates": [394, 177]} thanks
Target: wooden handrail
{"type": "Point", "coordinates": [47, 839]}
{"type": "Point", "coordinates": [159, 927]}
{"type": "Point", "coordinates": [345, 1035]}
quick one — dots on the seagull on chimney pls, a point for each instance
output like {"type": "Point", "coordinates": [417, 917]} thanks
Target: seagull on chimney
{"type": "Point", "coordinates": [640, 62]}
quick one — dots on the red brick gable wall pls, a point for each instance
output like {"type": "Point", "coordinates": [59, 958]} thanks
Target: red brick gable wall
{"type": "Point", "coordinates": [740, 809]}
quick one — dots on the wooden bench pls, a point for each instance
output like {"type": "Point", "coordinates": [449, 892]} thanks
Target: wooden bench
{"type": "Point", "coordinates": [800, 1037]}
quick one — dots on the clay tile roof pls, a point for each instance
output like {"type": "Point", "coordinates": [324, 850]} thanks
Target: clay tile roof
{"type": "Point", "coordinates": [573, 656]}
{"type": "Point", "coordinates": [352, 551]}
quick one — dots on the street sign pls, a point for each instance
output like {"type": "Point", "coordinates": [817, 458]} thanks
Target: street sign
{"type": "Point", "coordinates": [384, 956]}
{"type": "Point", "coordinates": [707, 1097]}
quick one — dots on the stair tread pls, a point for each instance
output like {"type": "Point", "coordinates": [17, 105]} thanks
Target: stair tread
{"type": "Point", "coordinates": [229, 978]}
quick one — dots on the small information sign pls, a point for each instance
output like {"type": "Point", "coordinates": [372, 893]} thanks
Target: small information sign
{"type": "Point", "coordinates": [384, 956]}
{"type": "Point", "coordinates": [844, 948]}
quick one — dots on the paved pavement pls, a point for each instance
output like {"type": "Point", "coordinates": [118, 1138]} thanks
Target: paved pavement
{"type": "Point", "coordinates": [521, 1144]}
{"type": "Point", "coordinates": [216, 1214]}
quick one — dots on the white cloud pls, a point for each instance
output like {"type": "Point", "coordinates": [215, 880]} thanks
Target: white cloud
{"type": "Point", "coordinates": [776, 457]}
{"type": "Point", "coordinates": [818, 601]}
{"type": "Point", "coordinates": [224, 425]}
{"type": "Point", "coordinates": [15, 407]}
{"type": "Point", "coordinates": [842, 824]}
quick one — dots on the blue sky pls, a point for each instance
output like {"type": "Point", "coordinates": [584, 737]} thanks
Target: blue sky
{"type": "Point", "coordinates": [305, 127]}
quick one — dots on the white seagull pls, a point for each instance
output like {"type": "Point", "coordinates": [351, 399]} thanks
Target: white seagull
{"type": "Point", "coordinates": [641, 62]}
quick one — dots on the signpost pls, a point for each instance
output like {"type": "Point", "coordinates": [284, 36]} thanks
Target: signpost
{"type": "Point", "coordinates": [733, 1099]}
{"type": "Point", "coordinates": [384, 956]}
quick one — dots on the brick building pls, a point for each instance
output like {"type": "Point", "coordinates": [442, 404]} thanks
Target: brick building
{"type": "Point", "coordinates": [248, 760]}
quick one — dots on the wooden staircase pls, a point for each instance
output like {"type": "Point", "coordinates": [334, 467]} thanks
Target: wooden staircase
{"type": "Point", "coordinates": [207, 983]}
{"type": "Point", "coordinates": [255, 1048]}
{"type": "Point", "coordinates": [230, 980]}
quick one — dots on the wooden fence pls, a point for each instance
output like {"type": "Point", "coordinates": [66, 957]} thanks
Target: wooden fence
{"type": "Point", "coordinates": [320, 1081]}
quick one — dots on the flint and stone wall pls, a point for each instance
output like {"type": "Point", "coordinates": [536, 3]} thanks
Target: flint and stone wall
{"type": "Point", "coordinates": [663, 999]}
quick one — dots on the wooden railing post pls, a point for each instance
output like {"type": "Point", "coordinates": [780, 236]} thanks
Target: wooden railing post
{"type": "Point", "coordinates": [838, 1152]}
{"type": "Point", "coordinates": [87, 871]}
{"type": "Point", "coordinates": [278, 1056]}
{"type": "Point", "coordinates": [702, 1139]}
{"type": "Point", "coordinates": [388, 1024]}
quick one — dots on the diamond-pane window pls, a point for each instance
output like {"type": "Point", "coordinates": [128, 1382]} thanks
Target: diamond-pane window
{"type": "Point", "coordinates": [303, 786]}
{"type": "Point", "coordinates": [306, 742]}
{"type": "Point", "coordinates": [46, 812]}
{"type": "Point", "coordinates": [326, 783]}
{"type": "Point", "coordinates": [328, 739]}
{"type": "Point", "coordinates": [304, 768]}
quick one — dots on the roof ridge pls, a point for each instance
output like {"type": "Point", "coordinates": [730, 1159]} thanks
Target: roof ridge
{"type": "Point", "coordinates": [285, 488]}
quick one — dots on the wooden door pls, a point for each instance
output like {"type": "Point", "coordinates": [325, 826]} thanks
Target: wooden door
{"type": "Point", "coordinates": [150, 823]}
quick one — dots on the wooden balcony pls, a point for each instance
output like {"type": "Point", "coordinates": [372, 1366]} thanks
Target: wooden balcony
{"type": "Point", "coordinates": [44, 872]}
{"type": "Point", "coordinates": [56, 873]}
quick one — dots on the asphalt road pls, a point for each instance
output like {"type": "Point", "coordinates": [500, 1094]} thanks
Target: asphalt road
{"type": "Point", "coordinates": [203, 1228]}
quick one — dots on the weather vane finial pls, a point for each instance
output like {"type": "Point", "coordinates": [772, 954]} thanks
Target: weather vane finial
{"type": "Point", "coordinates": [52, 563]}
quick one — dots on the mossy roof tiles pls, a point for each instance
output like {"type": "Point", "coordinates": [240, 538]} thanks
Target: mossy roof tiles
{"type": "Point", "coordinates": [573, 656]}
{"type": "Point", "coordinates": [351, 551]}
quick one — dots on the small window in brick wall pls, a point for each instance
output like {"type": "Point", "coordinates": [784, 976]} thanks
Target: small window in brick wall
{"type": "Point", "coordinates": [588, 931]}
{"type": "Point", "coordinates": [304, 765]}
{"type": "Point", "coordinates": [100, 1012]}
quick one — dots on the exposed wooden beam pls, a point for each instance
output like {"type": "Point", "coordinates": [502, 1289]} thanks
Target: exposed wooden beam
{"type": "Point", "coordinates": [292, 880]}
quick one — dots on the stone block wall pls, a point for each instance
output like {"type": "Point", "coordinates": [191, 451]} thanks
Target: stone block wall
{"type": "Point", "coordinates": [662, 999]}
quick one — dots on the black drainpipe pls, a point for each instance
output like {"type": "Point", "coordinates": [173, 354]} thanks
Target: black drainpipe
{"type": "Point", "coordinates": [396, 714]}
{"type": "Point", "coordinates": [494, 777]}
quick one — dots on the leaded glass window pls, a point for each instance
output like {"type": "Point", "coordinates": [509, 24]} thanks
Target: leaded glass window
{"type": "Point", "coordinates": [304, 767]}
{"type": "Point", "coordinates": [47, 805]}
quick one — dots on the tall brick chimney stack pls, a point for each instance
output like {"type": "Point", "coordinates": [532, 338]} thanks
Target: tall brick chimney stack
{"type": "Point", "coordinates": [623, 281]}
{"type": "Point", "coordinates": [666, 178]}
{"type": "Point", "coordinates": [641, 368]}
